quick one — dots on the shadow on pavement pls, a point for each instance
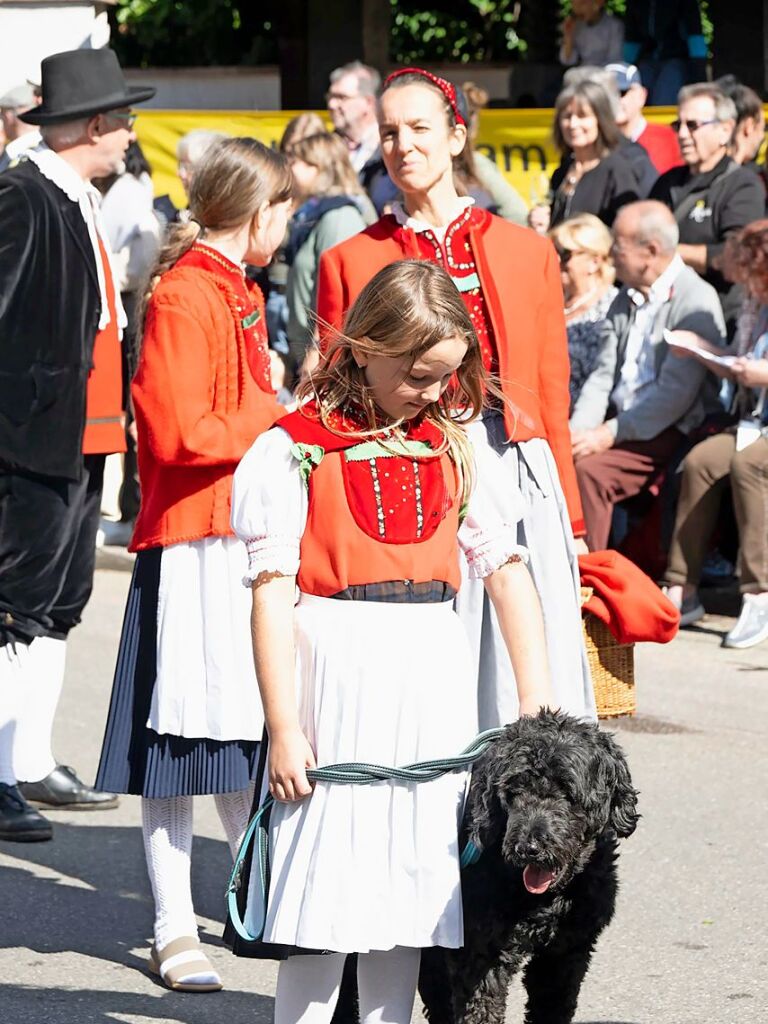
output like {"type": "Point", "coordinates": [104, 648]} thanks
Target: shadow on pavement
{"type": "Point", "coordinates": [27, 1005]}
{"type": "Point", "coordinates": [102, 905]}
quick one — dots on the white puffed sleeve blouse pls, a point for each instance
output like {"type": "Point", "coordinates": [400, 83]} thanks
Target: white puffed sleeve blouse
{"type": "Point", "coordinates": [270, 502]}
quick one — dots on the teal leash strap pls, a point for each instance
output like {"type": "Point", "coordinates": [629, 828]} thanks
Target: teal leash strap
{"type": "Point", "coordinates": [256, 826]}
{"type": "Point", "coordinates": [355, 773]}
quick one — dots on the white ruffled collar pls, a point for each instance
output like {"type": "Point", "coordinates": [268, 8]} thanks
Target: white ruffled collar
{"type": "Point", "coordinates": [402, 217]}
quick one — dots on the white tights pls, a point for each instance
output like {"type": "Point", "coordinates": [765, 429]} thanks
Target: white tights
{"type": "Point", "coordinates": [308, 987]}
{"type": "Point", "coordinates": [167, 830]}
{"type": "Point", "coordinates": [31, 677]}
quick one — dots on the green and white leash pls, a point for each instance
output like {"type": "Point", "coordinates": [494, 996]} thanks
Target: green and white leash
{"type": "Point", "coordinates": [356, 774]}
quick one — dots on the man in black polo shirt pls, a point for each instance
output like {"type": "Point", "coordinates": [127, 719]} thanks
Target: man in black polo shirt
{"type": "Point", "coordinates": [711, 195]}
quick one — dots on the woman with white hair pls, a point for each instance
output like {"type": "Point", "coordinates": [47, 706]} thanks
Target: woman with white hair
{"type": "Point", "coordinates": [190, 150]}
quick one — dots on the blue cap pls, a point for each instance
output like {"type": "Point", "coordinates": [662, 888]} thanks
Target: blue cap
{"type": "Point", "coordinates": [626, 75]}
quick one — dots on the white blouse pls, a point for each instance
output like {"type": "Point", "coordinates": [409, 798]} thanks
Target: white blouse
{"type": "Point", "coordinates": [269, 510]}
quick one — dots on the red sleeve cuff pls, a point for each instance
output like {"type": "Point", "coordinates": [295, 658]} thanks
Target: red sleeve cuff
{"type": "Point", "coordinates": [579, 528]}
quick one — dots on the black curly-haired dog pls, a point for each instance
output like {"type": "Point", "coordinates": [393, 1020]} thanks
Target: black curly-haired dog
{"type": "Point", "coordinates": [547, 804]}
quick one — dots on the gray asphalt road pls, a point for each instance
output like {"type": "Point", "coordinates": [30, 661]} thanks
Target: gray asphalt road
{"type": "Point", "coordinates": [688, 944]}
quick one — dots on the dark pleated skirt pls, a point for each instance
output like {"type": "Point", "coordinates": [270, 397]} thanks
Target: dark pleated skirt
{"type": "Point", "coordinates": [137, 760]}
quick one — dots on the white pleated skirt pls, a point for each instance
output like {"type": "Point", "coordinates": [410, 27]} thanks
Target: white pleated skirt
{"type": "Point", "coordinates": [529, 470]}
{"type": "Point", "coordinates": [369, 867]}
{"type": "Point", "coordinates": [205, 685]}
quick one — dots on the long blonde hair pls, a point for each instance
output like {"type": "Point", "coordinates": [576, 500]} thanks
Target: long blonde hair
{"type": "Point", "coordinates": [299, 127]}
{"type": "Point", "coordinates": [329, 154]}
{"type": "Point", "coordinates": [403, 311]}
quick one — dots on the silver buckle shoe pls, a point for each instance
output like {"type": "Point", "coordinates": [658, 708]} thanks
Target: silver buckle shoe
{"type": "Point", "coordinates": [752, 625]}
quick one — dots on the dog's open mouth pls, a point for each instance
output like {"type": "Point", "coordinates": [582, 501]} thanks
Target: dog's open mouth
{"type": "Point", "coordinates": [537, 879]}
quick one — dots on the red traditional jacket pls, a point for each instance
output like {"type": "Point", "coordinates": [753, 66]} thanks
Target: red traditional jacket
{"type": "Point", "coordinates": [510, 280]}
{"type": "Point", "coordinates": [380, 510]}
{"type": "Point", "coordinates": [202, 394]}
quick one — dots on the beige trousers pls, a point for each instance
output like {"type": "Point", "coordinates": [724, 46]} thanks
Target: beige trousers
{"type": "Point", "coordinates": [707, 470]}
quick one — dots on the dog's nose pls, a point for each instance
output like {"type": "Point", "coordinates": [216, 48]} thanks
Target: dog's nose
{"type": "Point", "coordinates": [529, 848]}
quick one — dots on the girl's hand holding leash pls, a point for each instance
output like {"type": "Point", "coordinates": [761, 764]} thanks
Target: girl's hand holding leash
{"type": "Point", "coordinates": [289, 757]}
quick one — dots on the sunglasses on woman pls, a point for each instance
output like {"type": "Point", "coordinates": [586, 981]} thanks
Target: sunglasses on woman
{"type": "Point", "coordinates": [564, 255]}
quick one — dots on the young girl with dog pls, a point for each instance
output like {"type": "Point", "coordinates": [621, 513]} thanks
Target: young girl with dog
{"type": "Point", "coordinates": [360, 501]}
{"type": "Point", "coordinates": [185, 717]}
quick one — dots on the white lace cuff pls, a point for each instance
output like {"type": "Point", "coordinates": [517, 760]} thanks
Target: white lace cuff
{"type": "Point", "coordinates": [485, 553]}
{"type": "Point", "coordinates": [273, 554]}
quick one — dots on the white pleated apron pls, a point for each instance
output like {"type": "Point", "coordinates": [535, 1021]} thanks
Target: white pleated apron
{"type": "Point", "coordinates": [368, 867]}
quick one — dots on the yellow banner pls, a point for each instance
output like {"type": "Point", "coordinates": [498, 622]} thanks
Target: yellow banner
{"type": "Point", "coordinates": [520, 141]}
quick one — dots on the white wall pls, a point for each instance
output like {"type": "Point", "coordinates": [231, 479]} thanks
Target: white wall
{"type": "Point", "coordinates": [210, 88]}
{"type": "Point", "coordinates": [31, 31]}
{"type": "Point", "coordinates": [259, 88]}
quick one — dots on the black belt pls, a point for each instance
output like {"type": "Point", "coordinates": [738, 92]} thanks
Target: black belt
{"type": "Point", "coordinates": [399, 592]}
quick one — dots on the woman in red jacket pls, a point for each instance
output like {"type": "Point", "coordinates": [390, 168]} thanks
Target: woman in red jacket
{"type": "Point", "coordinates": [185, 717]}
{"type": "Point", "coordinates": [509, 279]}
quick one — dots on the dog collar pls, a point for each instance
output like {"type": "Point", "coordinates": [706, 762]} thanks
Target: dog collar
{"type": "Point", "coordinates": [470, 855]}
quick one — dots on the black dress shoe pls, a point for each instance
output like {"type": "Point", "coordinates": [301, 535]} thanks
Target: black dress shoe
{"type": "Point", "coordinates": [19, 823]}
{"type": "Point", "coordinates": [63, 791]}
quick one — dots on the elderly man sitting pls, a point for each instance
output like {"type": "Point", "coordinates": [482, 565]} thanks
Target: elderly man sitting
{"type": "Point", "coordinates": [653, 401]}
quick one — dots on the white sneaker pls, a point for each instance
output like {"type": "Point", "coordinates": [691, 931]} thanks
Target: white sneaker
{"type": "Point", "coordinates": [692, 610]}
{"type": "Point", "coordinates": [752, 625]}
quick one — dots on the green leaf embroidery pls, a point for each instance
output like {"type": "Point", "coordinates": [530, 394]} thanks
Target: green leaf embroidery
{"type": "Point", "coordinates": [390, 449]}
{"type": "Point", "coordinates": [308, 456]}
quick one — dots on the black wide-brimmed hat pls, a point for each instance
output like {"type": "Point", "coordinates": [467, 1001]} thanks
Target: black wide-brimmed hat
{"type": "Point", "coordinates": [79, 83]}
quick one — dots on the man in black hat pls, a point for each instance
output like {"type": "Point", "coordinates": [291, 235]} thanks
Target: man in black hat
{"type": "Point", "coordinates": [60, 413]}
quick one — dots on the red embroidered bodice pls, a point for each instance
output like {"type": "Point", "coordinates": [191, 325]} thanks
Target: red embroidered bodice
{"type": "Point", "coordinates": [456, 257]}
{"type": "Point", "coordinates": [250, 307]}
{"type": "Point", "coordinates": [380, 509]}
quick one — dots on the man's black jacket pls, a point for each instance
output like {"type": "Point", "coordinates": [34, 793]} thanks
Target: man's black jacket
{"type": "Point", "coordinates": [708, 207]}
{"type": "Point", "coordinates": [49, 315]}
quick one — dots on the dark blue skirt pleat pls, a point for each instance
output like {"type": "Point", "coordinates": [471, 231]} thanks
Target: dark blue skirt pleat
{"type": "Point", "coordinates": [137, 760]}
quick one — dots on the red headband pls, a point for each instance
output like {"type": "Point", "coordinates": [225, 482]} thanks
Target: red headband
{"type": "Point", "coordinates": [446, 88]}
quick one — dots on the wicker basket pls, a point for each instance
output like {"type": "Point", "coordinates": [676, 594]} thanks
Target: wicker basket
{"type": "Point", "coordinates": [612, 666]}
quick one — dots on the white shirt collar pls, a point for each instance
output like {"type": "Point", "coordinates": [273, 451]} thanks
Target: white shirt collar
{"type": "Point", "coordinates": [662, 288]}
{"type": "Point", "coordinates": [368, 147]}
{"type": "Point", "coordinates": [62, 174]}
{"type": "Point", "coordinates": [418, 226]}
{"type": "Point", "coordinates": [638, 130]}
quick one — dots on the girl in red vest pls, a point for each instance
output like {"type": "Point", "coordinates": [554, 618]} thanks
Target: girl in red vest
{"type": "Point", "coordinates": [361, 499]}
{"type": "Point", "coordinates": [185, 717]}
{"type": "Point", "coordinates": [509, 280]}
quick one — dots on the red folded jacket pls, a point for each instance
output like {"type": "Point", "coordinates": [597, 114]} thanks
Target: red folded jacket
{"type": "Point", "coordinates": [626, 600]}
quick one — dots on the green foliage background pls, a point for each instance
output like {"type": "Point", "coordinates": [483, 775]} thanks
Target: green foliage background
{"type": "Point", "coordinates": [168, 33]}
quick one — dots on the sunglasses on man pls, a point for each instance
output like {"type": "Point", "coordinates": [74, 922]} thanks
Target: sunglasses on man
{"type": "Point", "coordinates": [692, 126]}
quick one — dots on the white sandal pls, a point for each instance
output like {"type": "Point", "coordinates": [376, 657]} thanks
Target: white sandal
{"type": "Point", "coordinates": [184, 967]}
